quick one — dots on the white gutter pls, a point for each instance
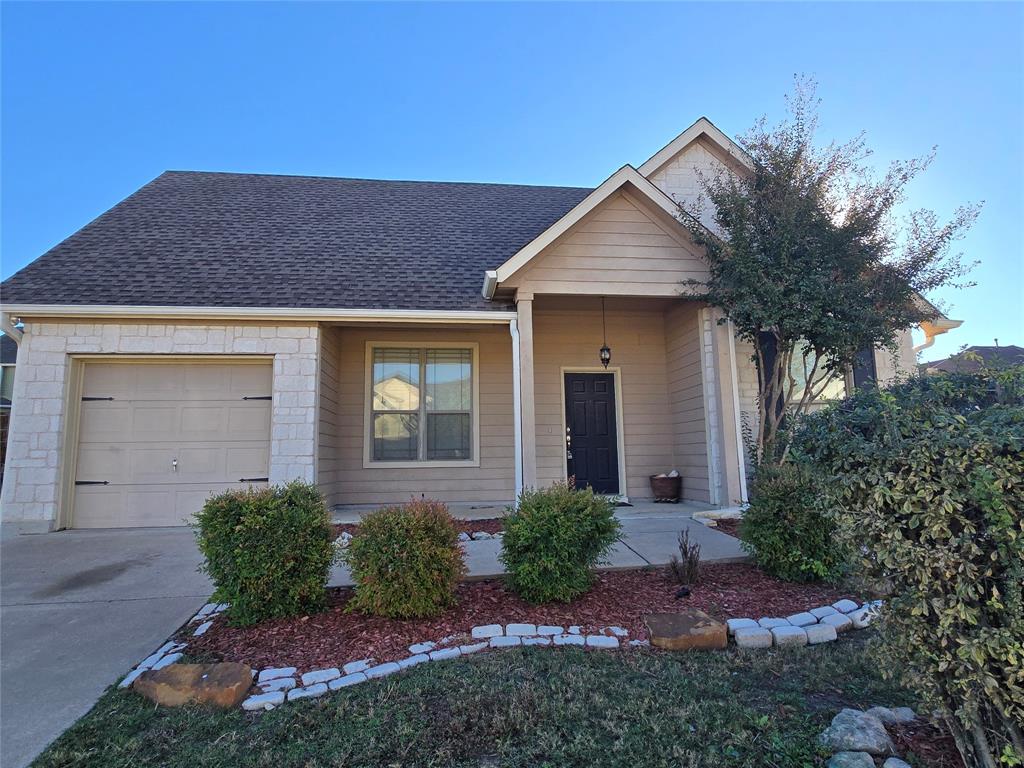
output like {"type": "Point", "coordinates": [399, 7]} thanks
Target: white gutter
{"type": "Point", "coordinates": [8, 328]}
{"type": "Point", "coordinates": [490, 284]}
{"type": "Point", "coordinates": [517, 408]}
{"type": "Point", "coordinates": [936, 327]}
{"type": "Point", "coordinates": [741, 453]}
{"type": "Point", "coordinates": [259, 313]}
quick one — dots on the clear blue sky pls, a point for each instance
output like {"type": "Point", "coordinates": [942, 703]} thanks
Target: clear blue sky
{"type": "Point", "coordinates": [99, 99]}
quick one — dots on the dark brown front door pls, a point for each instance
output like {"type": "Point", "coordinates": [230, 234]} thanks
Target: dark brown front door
{"type": "Point", "coordinates": [592, 455]}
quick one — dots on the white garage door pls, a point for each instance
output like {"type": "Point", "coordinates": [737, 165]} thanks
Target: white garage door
{"type": "Point", "coordinates": [156, 439]}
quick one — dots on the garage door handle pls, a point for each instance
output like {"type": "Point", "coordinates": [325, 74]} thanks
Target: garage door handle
{"type": "Point", "coordinates": [92, 399]}
{"type": "Point", "coordinates": [92, 482]}
{"type": "Point", "coordinates": [259, 397]}
{"type": "Point", "coordinates": [254, 480]}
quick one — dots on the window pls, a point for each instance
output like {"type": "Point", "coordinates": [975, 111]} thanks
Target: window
{"type": "Point", "coordinates": [421, 404]}
{"type": "Point", "coordinates": [835, 389]}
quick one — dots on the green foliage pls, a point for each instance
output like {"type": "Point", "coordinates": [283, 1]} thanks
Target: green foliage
{"type": "Point", "coordinates": [929, 479]}
{"type": "Point", "coordinates": [268, 551]}
{"type": "Point", "coordinates": [809, 261]}
{"type": "Point", "coordinates": [785, 528]}
{"type": "Point", "coordinates": [553, 540]}
{"type": "Point", "coordinates": [406, 561]}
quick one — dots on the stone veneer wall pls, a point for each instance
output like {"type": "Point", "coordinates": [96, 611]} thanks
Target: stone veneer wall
{"type": "Point", "coordinates": [34, 468]}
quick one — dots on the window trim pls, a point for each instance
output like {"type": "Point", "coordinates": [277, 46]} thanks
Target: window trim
{"type": "Point", "coordinates": [368, 460]}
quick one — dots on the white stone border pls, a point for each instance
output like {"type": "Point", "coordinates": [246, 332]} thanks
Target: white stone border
{"type": "Point", "coordinates": [813, 627]}
{"type": "Point", "coordinates": [278, 685]}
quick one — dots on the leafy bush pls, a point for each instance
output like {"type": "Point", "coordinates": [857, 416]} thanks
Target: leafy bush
{"type": "Point", "coordinates": [268, 551]}
{"type": "Point", "coordinates": [929, 480]}
{"type": "Point", "coordinates": [406, 561]}
{"type": "Point", "coordinates": [785, 528]}
{"type": "Point", "coordinates": [685, 569]}
{"type": "Point", "coordinates": [553, 540]}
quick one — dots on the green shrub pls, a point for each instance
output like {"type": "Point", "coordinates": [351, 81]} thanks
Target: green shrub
{"type": "Point", "coordinates": [785, 528]}
{"type": "Point", "coordinates": [553, 540]}
{"type": "Point", "coordinates": [268, 551]}
{"type": "Point", "coordinates": [406, 561]}
{"type": "Point", "coordinates": [929, 481]}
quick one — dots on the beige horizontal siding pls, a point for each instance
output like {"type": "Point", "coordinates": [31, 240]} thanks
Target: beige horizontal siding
{"type": "Point", "coordinates": [619, 249]}
{"type": "Point", "coordinates": [493, 480]}
{"type": "Point", "coordinates": [686, 399]}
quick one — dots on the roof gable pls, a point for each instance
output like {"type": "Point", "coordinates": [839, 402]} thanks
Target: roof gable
{"type": "Point", "coordinates": [702, 129]}
{"type": "Point", "coordinates": [626, 178]}
{"type": "Point", "coordinates": [624, 246]}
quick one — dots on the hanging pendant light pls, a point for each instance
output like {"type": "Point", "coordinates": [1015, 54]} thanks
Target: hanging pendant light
{"type": "Point", "coordinates": [606, 352]}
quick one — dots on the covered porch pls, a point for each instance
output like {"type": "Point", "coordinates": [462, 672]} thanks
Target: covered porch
{"type": "Point", "coordinates": [472, 413]}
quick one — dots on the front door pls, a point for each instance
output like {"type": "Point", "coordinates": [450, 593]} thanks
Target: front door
{"type": "Point", "coordinates": [592, 455]}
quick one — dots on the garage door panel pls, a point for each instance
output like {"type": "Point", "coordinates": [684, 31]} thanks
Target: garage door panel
{"type": "Point", "coordinates": [247, 462]}
{"type": "Point", "coordinates": [99, 422]}
{"type": "Point", "coordinates": [250, 422]}
{"type": "Point", "coordinates": [192, 413]}
{"type": "Point", "coordinates": [103, 463]}
{"type": "Point", "coordinates": [159, 423]}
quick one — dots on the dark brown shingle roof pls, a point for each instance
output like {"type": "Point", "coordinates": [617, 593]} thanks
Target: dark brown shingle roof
{"type": "Point", "coordinates": [246, 240]}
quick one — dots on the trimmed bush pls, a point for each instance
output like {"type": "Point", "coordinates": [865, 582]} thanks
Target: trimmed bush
{"type": "Point", "coordinates": [929, 484]}
{"type": "Point", "coordinates": [406, 561]}
{"type": "Point", "coordinates": [785, 530]}
{"type": "Point", "coordinates": [268, 551]}
{"type": "Point", "coordinates": [554, 539]}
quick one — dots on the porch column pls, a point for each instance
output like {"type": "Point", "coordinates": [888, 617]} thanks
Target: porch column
{"type": "Point", "coordinates": [734, 485]}
{"type": "Point", "coordinates": [527, 412]}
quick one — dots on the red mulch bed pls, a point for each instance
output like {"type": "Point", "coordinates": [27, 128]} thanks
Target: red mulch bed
{"type": "Point", "coordinates": [488, 525]}
{"type": "Point", "coordinates": [619, 598]}
{"type": "Point", "coordinates": [730, 527]}
{"type": "Point", "coordinates": [933, 746]}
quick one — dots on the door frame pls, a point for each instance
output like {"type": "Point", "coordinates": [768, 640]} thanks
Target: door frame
{"type": "Point", "coordinates": [620, 441]}
{"type": "Point", "coordinates": [77, 362]}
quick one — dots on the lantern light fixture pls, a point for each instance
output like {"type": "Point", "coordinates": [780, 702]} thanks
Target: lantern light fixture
{"type": "Point", "coordinates": [606, 352]}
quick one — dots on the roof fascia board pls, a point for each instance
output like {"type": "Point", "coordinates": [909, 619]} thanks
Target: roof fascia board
{"type": "Point", "coordinates": [258, 313]}
{"type": "Point", "coordinates": [625, 174]}
{"type": "Point", "coordinates": [703, 127]}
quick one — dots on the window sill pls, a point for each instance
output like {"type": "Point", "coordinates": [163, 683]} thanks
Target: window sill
{"type": "Point", "coordinates": [369, 464]}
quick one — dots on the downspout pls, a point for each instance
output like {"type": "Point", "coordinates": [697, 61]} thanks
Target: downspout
{"type": "Point", "coordinates": [517, 409]}
{"type": "Point", "coordinates": [7, 326]}
{"type": "Point", "coordinates": [740, 448]}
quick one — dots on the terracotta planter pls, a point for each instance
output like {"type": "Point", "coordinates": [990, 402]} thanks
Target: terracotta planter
{"type": "Point", "coordinates": [666, 488]}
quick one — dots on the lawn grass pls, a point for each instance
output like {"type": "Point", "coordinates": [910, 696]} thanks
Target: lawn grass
{"type": "Point", "coordinates": [521, 707]}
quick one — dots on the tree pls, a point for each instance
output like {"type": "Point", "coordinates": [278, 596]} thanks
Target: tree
{"type": "Point", "coordinates": [811, 263]}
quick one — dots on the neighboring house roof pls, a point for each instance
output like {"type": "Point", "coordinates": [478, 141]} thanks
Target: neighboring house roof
{"type": "Point", "coordinates": [967, 361]}
{"type": "Point", "coordinates": [8, 350]}
{"type": "Point", "coordinates": [247, 240]}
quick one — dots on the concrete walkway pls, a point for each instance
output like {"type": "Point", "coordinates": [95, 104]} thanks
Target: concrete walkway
{"type": "Point", "coordinates": [77, 610]}
{"type": "Point", "coordinates": [650, 534]}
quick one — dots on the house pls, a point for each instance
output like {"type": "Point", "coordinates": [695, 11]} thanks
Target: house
{"type": "Point", "coordinates": [8, 360]}
{"type": "Point", "coordinates": [383, 339]}
{"type": "Point", "coordinates": [973, 358]}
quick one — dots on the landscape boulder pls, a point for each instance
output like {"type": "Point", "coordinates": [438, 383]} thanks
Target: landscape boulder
{"type": "Point", "coordinates": [856, 731]}
{"type": "Point", "coordinates": [223, 685]}
{"type": "Point", "coordinates": [686, 630]}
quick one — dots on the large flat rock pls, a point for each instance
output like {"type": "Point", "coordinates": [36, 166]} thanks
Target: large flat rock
{"type": "Point", "coordinates": [223, 685]}
{"type": "Point", "coordinates": [686, 630]}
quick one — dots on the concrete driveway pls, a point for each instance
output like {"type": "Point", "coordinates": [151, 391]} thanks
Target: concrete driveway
{"type": "Point", "coordinates": [77, 610]}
